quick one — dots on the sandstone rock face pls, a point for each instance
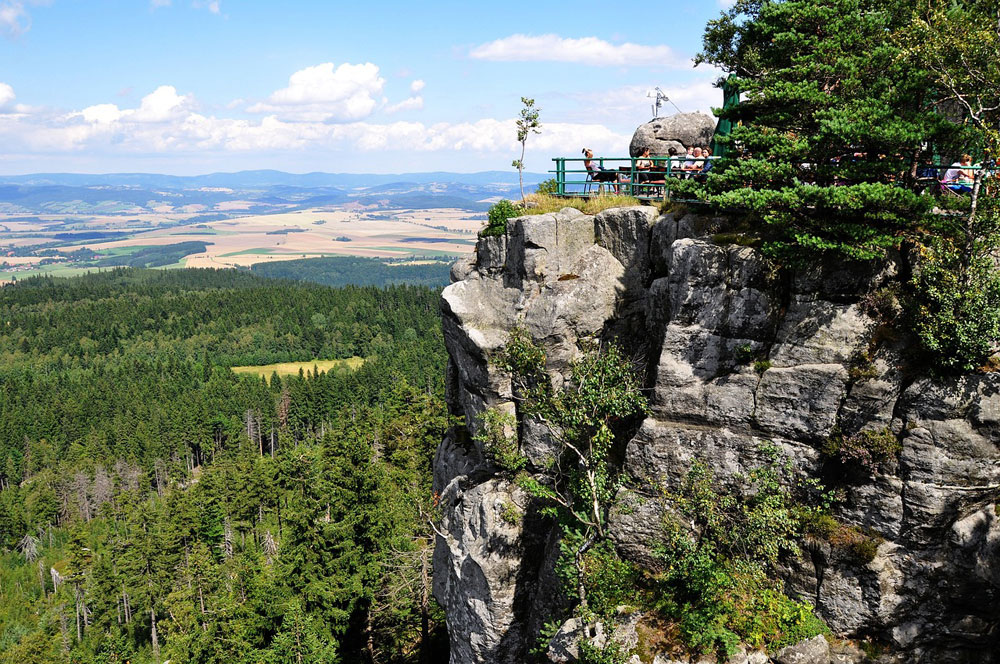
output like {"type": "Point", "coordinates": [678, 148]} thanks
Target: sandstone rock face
{"type": "Point", "coordinates": [812, 651]}
{"type": "Point", "coordinates": [737, 355]}
{"type": "Point", "coordinates": [673, 135]}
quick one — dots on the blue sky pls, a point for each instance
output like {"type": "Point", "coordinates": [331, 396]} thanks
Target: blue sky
{"type": "Point", "coordinates": [195, 86]}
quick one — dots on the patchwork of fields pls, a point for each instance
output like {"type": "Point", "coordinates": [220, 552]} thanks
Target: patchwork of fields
{"type": "Point", "coordinates": [230, 242]}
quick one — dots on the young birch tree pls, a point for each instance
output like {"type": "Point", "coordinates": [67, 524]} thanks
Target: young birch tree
{"type": "Point", "coordinates": [526, 124]}
{"type": "Point", "coordinates": [603, 393]}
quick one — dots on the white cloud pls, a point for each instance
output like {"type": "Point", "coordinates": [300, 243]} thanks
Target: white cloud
{"type": "Point", "coordinates": [14, 19]}
{"type": "Point", "coordinates": [7, 105]}
{"type": "Point", "coordinates": [162, 105]}
{"type": "Point", "coordinates": [586, 50]}
{"type": "Point", "coordinates": [6, 95]}
{"type": "Point", "coordinates": [101, 114]}
{"type": "Point", "coordinates": [416, 86]}
{"type": "Point", "coordinates": [166, 123]}
{"type": "Point", "coordinates": [726, 4]}
{"type": "Point", "coordinates": [159, 3]}
{"type": "Point", "coordinates": [326, 93]}
{"type": "Point", "coordinates": [409, 104]}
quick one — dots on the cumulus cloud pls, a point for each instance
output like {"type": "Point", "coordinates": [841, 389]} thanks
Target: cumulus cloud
{"type": "Point", "coordinates": [7, 105]}
{"type": "Point", "coordinates": [585, 50]}
{"type": "Point", "coordinates": [14, 19]}
{"type": "Point", "coordinates": [416, 86]}
{"type": "Point", "coordinates": [168, 123]}
{"type": "Point", "coordinates": [325, 93]}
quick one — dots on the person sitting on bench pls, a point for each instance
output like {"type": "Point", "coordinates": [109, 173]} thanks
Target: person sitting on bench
{"type": "Point", "coordinates": [598, 173]}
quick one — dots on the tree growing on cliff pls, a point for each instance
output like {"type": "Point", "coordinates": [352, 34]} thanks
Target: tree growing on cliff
{"type": "Point", "coordinates": [527, 124]}
{"type": "Point", "coordinates": [603, 393]}
{"type": "Point", "coordinates": [832, 124]}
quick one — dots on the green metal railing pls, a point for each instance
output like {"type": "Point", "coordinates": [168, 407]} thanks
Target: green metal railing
{"type": "Point", "coordinates": [621, 176]}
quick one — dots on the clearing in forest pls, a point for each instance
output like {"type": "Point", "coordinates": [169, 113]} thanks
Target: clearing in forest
{"type": "Point", "coordinates": [292, 368]}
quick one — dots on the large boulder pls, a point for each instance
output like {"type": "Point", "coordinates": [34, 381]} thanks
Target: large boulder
{"type": "Point", "coordinates": [672, 135]}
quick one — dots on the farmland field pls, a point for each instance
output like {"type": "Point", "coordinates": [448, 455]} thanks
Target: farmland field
{"type": "Point", "coordinates": [234, 242]}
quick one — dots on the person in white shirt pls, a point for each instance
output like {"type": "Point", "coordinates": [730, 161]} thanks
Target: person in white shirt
{"type": "Point", "coordinates": [959, 177]}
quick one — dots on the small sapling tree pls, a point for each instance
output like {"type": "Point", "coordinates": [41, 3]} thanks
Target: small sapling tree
{"type": "Point", "coordinates": [526, 124]}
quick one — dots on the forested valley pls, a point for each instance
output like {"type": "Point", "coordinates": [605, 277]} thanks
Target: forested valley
{"type": "Point", "coordinates": [155, 505]}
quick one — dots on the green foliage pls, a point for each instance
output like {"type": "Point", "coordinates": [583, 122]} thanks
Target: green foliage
{"type": "Point", "coordinates": [609, 653]}
{"type": "Point", "coordinates": [545, 636]}
{"type": "Point", "coordinates": [510, 514]}
{"type": "Point", "coordinates": [610, 581]}
{"type": "Point", "coordinates": [547, 187]}
{"type": "Point", "coordinates": [860, 547]}
{"type": "Point", "coordinates": [247, 521]}
{"type": "Point", "coordinates": [497, 217]}
{"type": "Point", "coordinates": [338, 271]}
{"type": "Point", "coordinates": [956, 310]}
{"type": "Point", "coordinates": [525, 361]}
{"type": "Point", "coordinates": [527, 124]}
{"type": "Point", "coordinates": [602, 395]}
{"type": "Point", "coordinates": [871, 450]}
{"type": "Point", "coordinates": [743, 353]}
{"type": "Point", "coordinates": [167, 254]}
{"type": "Point", "coordinates": [715, 582]}
{"type": "Point", "coordinates": [498, 435]}
{"type": "Point", "coordinates": [831, 125]}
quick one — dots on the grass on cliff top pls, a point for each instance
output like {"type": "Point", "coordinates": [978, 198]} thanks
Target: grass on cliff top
{"type": "Point", "coordinates": [591, 205]}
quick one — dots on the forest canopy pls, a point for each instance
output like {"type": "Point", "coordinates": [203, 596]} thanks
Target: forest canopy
{"type": "Point", "coordinates": [155, 505]}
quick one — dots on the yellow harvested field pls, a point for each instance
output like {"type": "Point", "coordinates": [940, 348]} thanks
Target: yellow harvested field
{"type": "Point", "coordinates": [292, 368]}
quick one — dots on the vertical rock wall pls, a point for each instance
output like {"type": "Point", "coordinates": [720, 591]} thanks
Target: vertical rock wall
{"type": "Point", "coordinates": [737, 354]}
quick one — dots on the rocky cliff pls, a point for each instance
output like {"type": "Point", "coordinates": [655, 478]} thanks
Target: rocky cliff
{"type": "Point", "coordinates": [737, 353]}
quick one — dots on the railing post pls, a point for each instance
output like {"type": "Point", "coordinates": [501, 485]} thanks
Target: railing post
{"type": "Point", "coordinates": [561, 176]}
{"type": "Point", "coordinates": [670, 174]}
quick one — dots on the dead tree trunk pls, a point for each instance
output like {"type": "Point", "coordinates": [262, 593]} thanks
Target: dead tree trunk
{"type": "Point", "coordinates": [156, 640]}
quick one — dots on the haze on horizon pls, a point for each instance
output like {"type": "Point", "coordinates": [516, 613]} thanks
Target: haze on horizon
{"type": "Point", "coordinates": [188, 87]}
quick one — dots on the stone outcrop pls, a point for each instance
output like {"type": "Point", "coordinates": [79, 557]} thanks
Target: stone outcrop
{"type": "Point", "coordinates": [738, 354]}
{"type": "Point", "coordinates": [672, 135]}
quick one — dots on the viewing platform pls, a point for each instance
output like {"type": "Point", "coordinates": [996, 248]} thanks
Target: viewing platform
{"type": "Point", "coordinates": [625, 176]}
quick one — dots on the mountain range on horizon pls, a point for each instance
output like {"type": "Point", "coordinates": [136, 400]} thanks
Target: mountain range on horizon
{"type": "Point", "coordinates": [267, 178]}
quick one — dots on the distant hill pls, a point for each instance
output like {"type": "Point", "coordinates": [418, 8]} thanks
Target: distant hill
{"type": "Point", "coordinates": [266, 178]}
{"type": "Point", "coordinates": [266, 191]}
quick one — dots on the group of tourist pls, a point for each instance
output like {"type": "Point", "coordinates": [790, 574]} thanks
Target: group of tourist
{"type": "Point", "coordinates": [648, 169]}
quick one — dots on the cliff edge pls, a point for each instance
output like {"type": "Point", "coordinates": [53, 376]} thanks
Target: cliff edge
{"type": "Point", "coordinates": [736, 353]}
